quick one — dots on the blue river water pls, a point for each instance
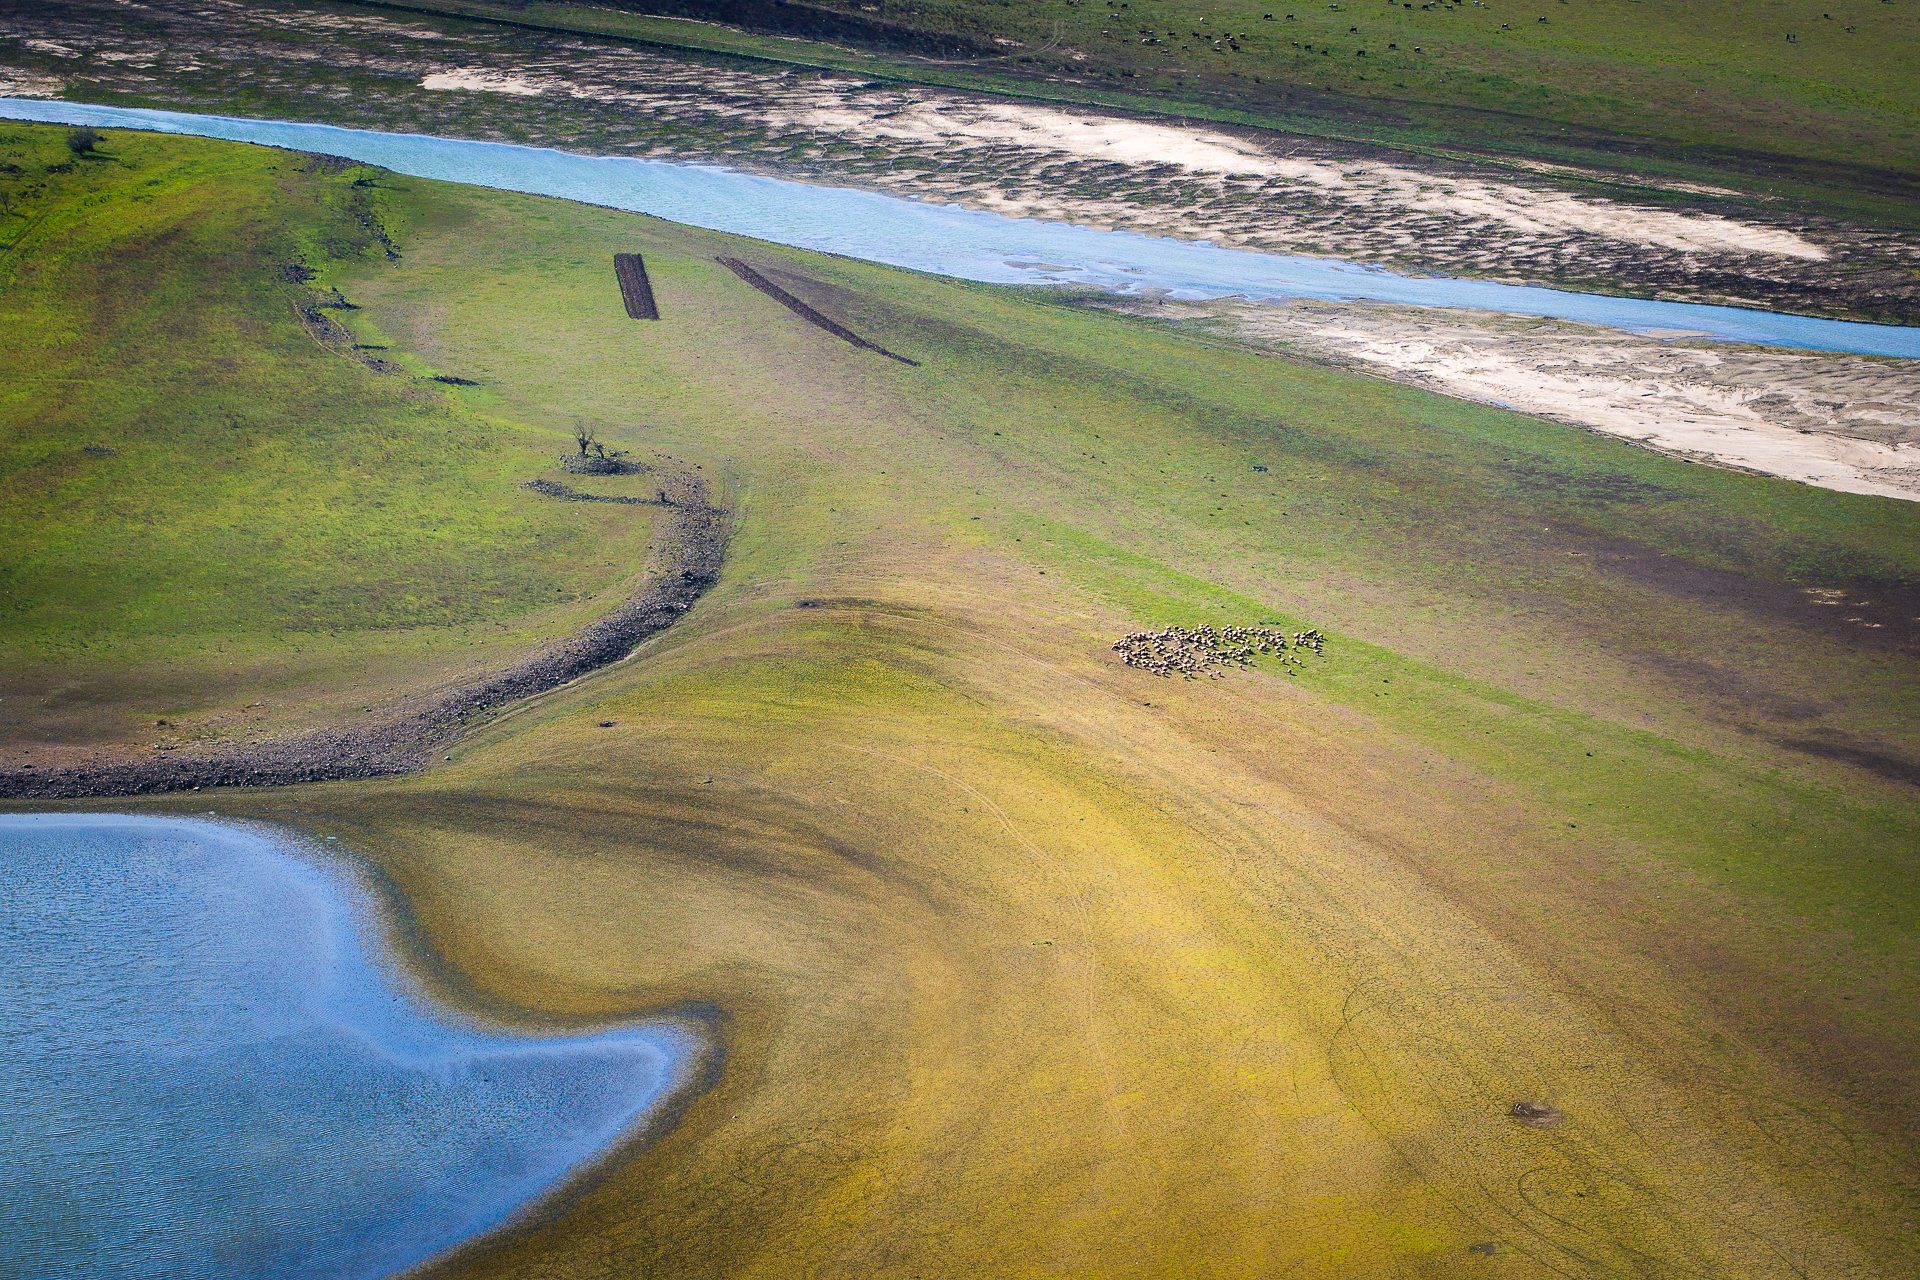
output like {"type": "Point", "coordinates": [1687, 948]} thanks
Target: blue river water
{"type": "Point", "coordinates": [964, 243]}
{"type": "Point", "coordinates": [209, 1067]}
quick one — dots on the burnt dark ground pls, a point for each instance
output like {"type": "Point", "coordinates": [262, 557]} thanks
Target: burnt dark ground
{"type": "Point", "coordinates": [636, 291]}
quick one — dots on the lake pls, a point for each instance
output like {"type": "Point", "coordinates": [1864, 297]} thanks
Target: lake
{"type": "Point", "coordinates": [216, 1067]}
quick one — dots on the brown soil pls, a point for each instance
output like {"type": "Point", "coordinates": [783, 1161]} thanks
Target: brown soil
{"type": "Point", "coordinates": [635, 289]}
{"type": "Point", "coordinates": [1535, 1115]}
{"type": "Point", "coordinates": [595, 464]}
{"type": "Point", "coordinates": [806, 312]}
{"type": "Point", "coordinates": [404, 742]}
{"type": "Point", "coordinates": [311, 308]}
{"type": "Point", "coordinates": [1830, 744]}
{"type": "Point", "coordinates": [567, 493]}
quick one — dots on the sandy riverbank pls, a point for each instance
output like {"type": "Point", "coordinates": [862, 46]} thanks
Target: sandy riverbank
{"type": "Point", "coordinates": [1842, 422]}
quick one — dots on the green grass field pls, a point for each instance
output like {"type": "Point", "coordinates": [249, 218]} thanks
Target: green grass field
{"type": "Point", "coordinates": [206, 504]}
{"type": "Point", "coordinates": [1714, 90]}
{"type": "Point", "coordinates": [1031, 964]}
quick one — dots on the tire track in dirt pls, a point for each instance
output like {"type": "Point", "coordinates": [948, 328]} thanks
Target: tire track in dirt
{"type": "Point", "coordinates": [806, 312]}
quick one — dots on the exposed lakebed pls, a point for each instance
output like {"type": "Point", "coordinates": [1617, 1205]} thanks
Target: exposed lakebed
{"type": "Point", "coordinates": [216, 1068]}
{"type": "Point", "coordinates": [967, 243]}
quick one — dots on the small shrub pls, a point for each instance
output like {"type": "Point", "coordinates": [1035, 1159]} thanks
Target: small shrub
{"type": "Point", "coordinates": [82, 141]}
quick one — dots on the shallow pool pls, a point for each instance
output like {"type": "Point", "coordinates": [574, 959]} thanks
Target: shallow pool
{"type": "Point", "coordinates": [966, 243]}
{"type": "Point", "coordinates": [213, 1067]}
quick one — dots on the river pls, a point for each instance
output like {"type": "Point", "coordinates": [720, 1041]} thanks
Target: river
{"type": "Point", "coordinates": [965, 243]}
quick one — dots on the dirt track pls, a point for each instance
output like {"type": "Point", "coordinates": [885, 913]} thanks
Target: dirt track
{"type": "Point", "coordinates": [694, 539]}
{"type": "Point", "coordinates": [806, 312]}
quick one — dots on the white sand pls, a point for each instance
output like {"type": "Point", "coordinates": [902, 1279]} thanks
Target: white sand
{"type": "Point", "coordinates": [19, 83]}
{"type": "Point", "coordinates": [481, 81]}
{"type": "Point", "coordinates": [935, 121]}
{"type": "Point", "coordinates": [1087, 137]}
{"type": "Point", "coordinates": [1549, 211]}
{"type": "Point", "coordinates": [1837, 421]}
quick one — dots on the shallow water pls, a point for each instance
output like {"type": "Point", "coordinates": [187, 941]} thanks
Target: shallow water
{"type": "Point", "coordinates": [969, 244]}
{"type": "Point", "coordinates": [211, 1068]}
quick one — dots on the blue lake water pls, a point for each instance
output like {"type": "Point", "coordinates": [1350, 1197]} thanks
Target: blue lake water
{"type": "Point", "coordinates": [210, 1067]}
{"type": "Point", "coordinates": [968, 244]}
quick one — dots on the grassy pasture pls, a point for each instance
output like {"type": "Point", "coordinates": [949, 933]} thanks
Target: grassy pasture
{"type": "Point", "coordinates": [1030, 964]}
{"type": "Point", "coordinates": [1714, 74]}
{"type": "Point", "coordinates": [204, 504]}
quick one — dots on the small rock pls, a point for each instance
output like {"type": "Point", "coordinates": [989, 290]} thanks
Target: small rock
{"type": "Point", "coordinates": [1538, 1115]}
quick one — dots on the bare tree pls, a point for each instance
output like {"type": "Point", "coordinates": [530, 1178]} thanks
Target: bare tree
{"type": "Point", "coordinates": [81, 141]}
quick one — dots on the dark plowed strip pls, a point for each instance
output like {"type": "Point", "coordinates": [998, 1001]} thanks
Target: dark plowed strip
{"type": "Point", "coordinates": [694, 538]}
{"type": "Point", "coordinates": [567, 493]}
{"type": "Point", "coordinates": [635, 289]}
{"type": "Point", "coordinates": [806, 312]}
